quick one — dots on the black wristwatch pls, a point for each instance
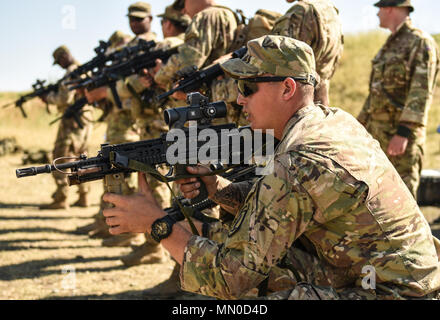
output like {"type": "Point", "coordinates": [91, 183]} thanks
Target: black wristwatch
{"type": "Point", "coordinates": [162, 228]}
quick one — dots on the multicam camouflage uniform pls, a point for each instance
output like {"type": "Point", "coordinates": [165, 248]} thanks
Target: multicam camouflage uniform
{"type": "Point", "coordinates": [317, 23]}
{"type": "Point", "coordinates": [401, 90]}
{"type": "Point", "coordinates": [329, 207]}
{"type": "Point", "coordinates": [226, 89]}
{"type": "Point", "coordinates": [71, 140]}
{"type": "Point", "coordinates": [208, 37]}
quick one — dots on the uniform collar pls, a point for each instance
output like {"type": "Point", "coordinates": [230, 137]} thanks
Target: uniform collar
{"type": "Point", "coordinates": [300, 114]}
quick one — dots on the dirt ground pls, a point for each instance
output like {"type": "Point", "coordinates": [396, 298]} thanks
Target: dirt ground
{"type": "Point", "coordinates": [40, 256]}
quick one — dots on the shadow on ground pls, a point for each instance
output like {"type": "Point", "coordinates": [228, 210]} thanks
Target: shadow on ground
{"type": "Point", "coordinates": [37, 268]}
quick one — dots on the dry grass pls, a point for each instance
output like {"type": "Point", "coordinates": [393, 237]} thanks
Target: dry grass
{"type": "Point", "coordinates": [36, 246]}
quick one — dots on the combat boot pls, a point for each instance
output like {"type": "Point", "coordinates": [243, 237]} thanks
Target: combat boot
{"type": "Point", "coordinates": [170, 288]}
{"type": "Point", "coordinates": [57, 204]}
{"type": "Point", "coordinates": [147, 253]}
{"type": "Point", "coordinates": [82, 201]}
{"type": "Point", "coordinates": [124, 240]}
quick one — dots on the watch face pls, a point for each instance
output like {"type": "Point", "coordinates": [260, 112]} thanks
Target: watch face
{"type": "Point", "coordinates": [161, 228]}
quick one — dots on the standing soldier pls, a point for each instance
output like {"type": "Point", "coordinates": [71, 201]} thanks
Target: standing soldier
{"type": "Point", "coordinates": [317, 23]}
{"type": "Point", "coordinates": [71, 140]}
{"type": "Point", "coordinates": [121, 125]}
{"type": "Point", "coordinates": [401, 90]}
{"type": "Point", "coordinates": [208, 37]}
{"type": "Point", "coordinates": [148, 115]}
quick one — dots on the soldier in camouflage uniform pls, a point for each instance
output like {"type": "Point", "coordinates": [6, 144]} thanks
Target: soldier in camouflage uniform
{"type": "Point", "coordinates": [401, 90]}
{"type": "Point", "coordinates": [209, 37]}
{"type": "Point", "coordinates": [328, 208]}
{"type": "Point", "coordinates": [150, 124]}
{"type": "Point", "coordinates": [121, 123]}
{"type": "Point", "coordinates": [317, 23]}
{"type": "Point", "coordinates": [71, 140]}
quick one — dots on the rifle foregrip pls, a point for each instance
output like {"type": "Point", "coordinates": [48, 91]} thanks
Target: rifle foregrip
{"type": "Point", "coordinates": [33, 171]}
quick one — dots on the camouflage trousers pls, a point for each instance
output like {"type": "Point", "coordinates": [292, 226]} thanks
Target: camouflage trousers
{"type": "Point", "coordinates": [408, 165]}
{"type": "Point", "coordinates": [71, 141]}
{"type": "Point", "coordinates": [314, 279]}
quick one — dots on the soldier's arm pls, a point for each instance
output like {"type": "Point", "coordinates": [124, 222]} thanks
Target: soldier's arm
{"type": "Point", "coordinates": [62, 98]}
{"type": "Point", "coordinates": [258, 238]}
{"type": "Point", "coordinates": [199, 39]}
{"type": "Point", "coordinates": [421, 86]}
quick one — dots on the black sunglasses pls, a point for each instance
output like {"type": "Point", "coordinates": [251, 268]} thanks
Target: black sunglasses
{"type": "Point", "coordinates": [248, 86]}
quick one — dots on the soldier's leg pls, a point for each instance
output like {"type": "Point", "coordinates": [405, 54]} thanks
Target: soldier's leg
{"type": "Point", "coordinates": [61, 149]}
{"type": "Point", "coordinates": [313, 280]}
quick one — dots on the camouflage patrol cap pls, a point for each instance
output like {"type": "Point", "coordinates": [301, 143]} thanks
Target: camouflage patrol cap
{"type": "Point", "coordinates": [59, 52]}
{"type": "Point", "coordinates": [139, 10]}
{"type": "Point", "coordinates": [395, 3]}
{"type": "Point", "coordinates": [277, 55]}
{"type": "Point", "coordinates": [179, 5]}
{"type": "Point", "coordinates": [176, 15]}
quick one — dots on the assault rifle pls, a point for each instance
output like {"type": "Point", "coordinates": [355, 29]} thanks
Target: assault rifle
{"type": "Point", "coordinates": [146, 155]}
{"type": "Point", "coordinates": [103, 60]}
{"type": "Point", "coordinates": [115, 162]}
{"type": "Point", "coordinates": [128, 65]}
{"type": "Point", "coordinates": [74, 111]}
{"type": "Point", "coordinates": [39, 90]}
{"type": "Point", "coordinates": [191, 79]}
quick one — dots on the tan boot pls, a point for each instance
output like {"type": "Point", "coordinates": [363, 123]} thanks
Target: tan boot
{"type": "Point", "coordinates": [170, 288]}
{"type": "Point", "coordinates": [124, 240]}
{"type": "Point", "coordinates": [56, 205]}
{"type": "Point", "coordinates": [101, 229]}
{"type": "Point", "coordinates": [82, 202]}
{"type": "Point", "coordinates": [147, 253]}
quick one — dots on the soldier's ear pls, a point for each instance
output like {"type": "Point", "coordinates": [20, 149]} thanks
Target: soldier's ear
{"type": "Point", "coordinates": [289, 88]}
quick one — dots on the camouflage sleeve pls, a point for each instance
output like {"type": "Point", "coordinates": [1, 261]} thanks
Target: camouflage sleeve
{"type": "Point", "coordinates": [421, 87]}
{"type": "Point", "coordinates": [232, 197]}
{"type": "Point", "coordinates": [62, 98]}
{"type": "Point", "coordinates": [199, 40]}
{"type": "Point", "coordinates": [268, 223]}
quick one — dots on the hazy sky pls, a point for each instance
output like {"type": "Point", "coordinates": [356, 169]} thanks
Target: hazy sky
{"type": "Point", "coordinates": [30, 30]}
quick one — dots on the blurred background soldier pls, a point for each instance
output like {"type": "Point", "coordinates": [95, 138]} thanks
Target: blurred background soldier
{"type": "Point", "coordinates": [121, 125]}
{"type": "Point", "coordinates": [317, 23]}
{"type": "Point", "coordinates": [71, 140]}
{"type": "Point", "coordinates": [148, 115]}
{"type": "Point", "coordinates": [401, 90]}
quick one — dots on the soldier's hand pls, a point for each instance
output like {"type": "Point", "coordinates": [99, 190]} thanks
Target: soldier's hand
{"type": "Point", "coordinates": [146, 79]}
{"type": "Point", "coordinates": [43, 98]}
{"type": "Point", "coordinates": [397, 146]}
{"type": "Point", "coordinates": [179, 95]}
{"type": "Point", "coordinates": [190, 186]}
{"type": "Point", "coordinates": [96, 94]}
{"type": "Point", "coordinates": [133, 213]}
